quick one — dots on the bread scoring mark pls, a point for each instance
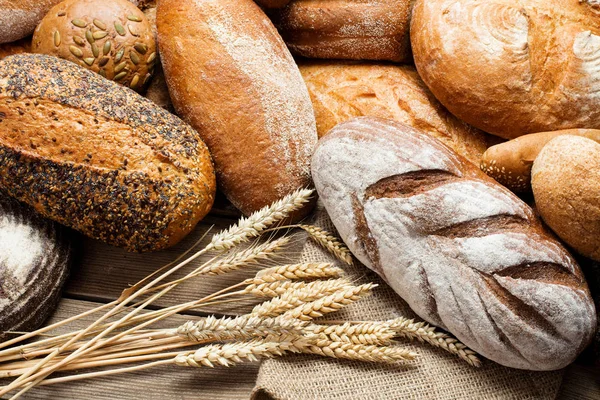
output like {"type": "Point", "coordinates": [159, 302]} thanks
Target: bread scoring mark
{"type": "Point", "coordinates": [545, 272]}
{"type": "Point", "coordinates": [366, 238]}
{"type": "Point", "coordinates": [408, 184]}
{"type": "Point", "coordinates": [483, 227]}
{"type": "Point", "coordinates": [429, 298]}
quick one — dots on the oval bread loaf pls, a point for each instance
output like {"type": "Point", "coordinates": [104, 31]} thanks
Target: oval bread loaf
{"type": "Point", "coordinates": [98, 157]}
{"type": "Point", "coordinates": [35, 255]}
{"type": "Point", "coordinates": [464, 252]}
{"type": "Point", "coordinates": [566, 186]}
{"type": "Point", "coordinates": [511, 67]}
{"type": "Point", "coordinates": [510, 162]}
{"type": "Point", "coordinates": [340, 91]}
{"type": "Point", "coordinates": [347, 29]}
{"type": "Point", "coordinates": [232, 78]}
{"type": "Point", "coordinates": [18, 18]}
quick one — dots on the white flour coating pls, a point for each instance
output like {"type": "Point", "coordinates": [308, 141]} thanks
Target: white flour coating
{"type": "Point", "coordinates": [586, 73]}
{"type": "Point", "coordinates": [21, 246]}
{"type": "Point", "coordinates": [446, 279]}
{"type": "Point", "coordinates": [283, 96]}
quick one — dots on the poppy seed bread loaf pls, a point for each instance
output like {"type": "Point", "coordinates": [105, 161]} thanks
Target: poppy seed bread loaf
{"type": "Point", "coordinates": [98, 157]}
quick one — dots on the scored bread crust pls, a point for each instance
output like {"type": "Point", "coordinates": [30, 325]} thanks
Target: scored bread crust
{"type": "Point", "coordinates": [511, 67]}
{"type": "Point", "coordinates": [98, 157]}
{"type": "Point", "coordinates": [232, 78]}
{"type": "Point", "coordinates": [342, 90]}
{"type": "Point", "coordinates": [347, 29]}
{"type": "Point", "coordinates": [464, 252]}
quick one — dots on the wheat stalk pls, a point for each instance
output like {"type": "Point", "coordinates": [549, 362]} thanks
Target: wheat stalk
{"type": "Point", "coordinates": [376, 333]}
{"type": "Point", "coordinates": [297, 297]}
{"type": "Point", "coordinates": [360, 352]}
{"type": "Point", "coordinates": [329, 242]}
{"type": "Point", "coordinates": [302, 271]}
{"type": "Point", "coordinates": [260, 220]}
{"type": "Point", "coordinates": [421, 331]}
{"type": "Point", "coordinates": [331, 303]}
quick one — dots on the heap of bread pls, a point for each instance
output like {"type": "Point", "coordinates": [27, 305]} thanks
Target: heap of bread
{"type": "Point", "coordinates": [396, 111]}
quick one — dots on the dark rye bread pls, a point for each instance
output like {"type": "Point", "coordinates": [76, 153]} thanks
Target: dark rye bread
{"type": "Point", "coordinates": [463, 251]}
{"type": "Point", "coordinates": [35, 256]}
{"type": "Point", "coordinates": [98, 157]}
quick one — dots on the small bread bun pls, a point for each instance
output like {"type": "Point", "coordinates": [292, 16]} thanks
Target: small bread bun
{"type": "Point", "coordinates": [566, 186]}
{"type": "Point", "coordinates": [112, 37]}
{"type": "Point", "coordinates": [510, 162]}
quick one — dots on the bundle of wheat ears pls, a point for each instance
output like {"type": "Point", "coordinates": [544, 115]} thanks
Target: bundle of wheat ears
{"type": "Point", "coordinates": [290, 320]}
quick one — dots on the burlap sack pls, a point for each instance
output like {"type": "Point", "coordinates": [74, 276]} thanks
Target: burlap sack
{"type": "Point", "coordinates": [434, 375]}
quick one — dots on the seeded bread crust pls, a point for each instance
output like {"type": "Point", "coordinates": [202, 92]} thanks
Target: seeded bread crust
{"type": "Point", "coordinates": [97, 157]}
{"type": "Point", "coordinates": [464, 252]}
{"type": "Point", "coordinates": [232, 78]}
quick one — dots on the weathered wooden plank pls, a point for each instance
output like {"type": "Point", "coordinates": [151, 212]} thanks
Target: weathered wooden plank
{"type": "Point", "coordinates": [580, 383]}
{"type": "Point", "coordinates": [167, 382]}
{"type": "Point", "coordinates": [101, 272]}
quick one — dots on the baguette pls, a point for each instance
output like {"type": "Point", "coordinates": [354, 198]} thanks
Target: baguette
{"type": "Point", "coordinates": [464, 252]}
{"type": "Point", "coordinates": [231, 77]}
{"type": "Point", "coordinates": [98, 157]}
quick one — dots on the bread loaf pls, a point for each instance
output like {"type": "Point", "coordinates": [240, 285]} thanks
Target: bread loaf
{"type": "Point", "coordinates": [464, 252]}
{"type": "Point", "coordinates": [18, 18]}
{"type": "Point", "coordinates": [35, 255]}
{"type": "Point", "coordinates": [112, 37]}
{"type": "Point", "coordinates": [347, 29]}
{"type": "Point", "coordinates": [97, 157]}
{"type": "Point", "coordinates": [232, 78]}
{"type": "Point", "coordinates": [566, 186]}
{"type": "Point", "coordinates": [511, 68]}
{"type": "Point", "coordinates": [510, 162]}
{"type": "Point", "coordinates": [340, 91]}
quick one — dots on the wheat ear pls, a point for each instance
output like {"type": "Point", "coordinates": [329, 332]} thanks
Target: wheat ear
{"type": "Point", "coordinates": [260, 220]}
{"type": "Point", "coordinates": [377, 333]}
{"type": "Point", "coordinates": [329, 242]}
{"type": "Point", "coordinates": [331, 303]}
{"type": "Point", "coordinates": [421, 331]}
{"type": "Point", "coordinates": [293, 272]}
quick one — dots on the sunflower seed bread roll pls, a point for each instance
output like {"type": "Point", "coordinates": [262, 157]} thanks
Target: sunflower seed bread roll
{"type": "Point", "coordinates": [344, 90]}
{"type": "Point", "coordinates": [98, 157]}
{"type": "Point", "coordinates": [510, 162]}
{"type": "Point", "coordinates": [35, 256]}
{"type": "Point", "coordinates": [464, 252]}
{"type": "Point", "coordinates": [347, 29]}
{"type": "Point", "coordinates": [232, 78]}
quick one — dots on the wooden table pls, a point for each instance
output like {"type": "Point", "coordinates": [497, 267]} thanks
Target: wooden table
{"type": "Point", "coordinates": [101, 272]}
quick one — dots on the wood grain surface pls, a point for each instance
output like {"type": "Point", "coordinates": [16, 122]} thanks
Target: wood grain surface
{"type": "Point", "coordinates": [100, 274]}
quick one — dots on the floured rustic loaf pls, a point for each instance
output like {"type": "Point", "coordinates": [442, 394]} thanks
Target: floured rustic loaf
{"type": "Point", "coordinates": [98, 157]}
{"type": "Point", "coordinates": [34, 262]}
{"type": "Point", "coordinates": [347, 29]}
{"type": "Point", "coordinates": [232, 78]}
{"type": "Point", "coordinates": [464, 252]}
{"type": "Point", "coordinates": [342, 90]}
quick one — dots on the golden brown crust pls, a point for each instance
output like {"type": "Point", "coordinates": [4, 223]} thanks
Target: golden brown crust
{"type": "Point", "coordinates": [510, 162]}
{"type": "Point", "coordinates": [511, 67]}
{"type": "Point", "coordinates": [112, 37]}
{"type": "Point", "coordinates": [97, 157]}
{"type": "Point", "coordinates": [565, 179]}
{"type": "Point", "coordinates": [341, 91]}
{"type": "Point", "coordinates": [347, 29]}
{"type": "Point", "coordinates": [232, 78]}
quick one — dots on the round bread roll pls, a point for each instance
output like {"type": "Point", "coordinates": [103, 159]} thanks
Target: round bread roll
{"type": "Point", "coordinates": [35, 255]}
{"type": "Point", "coordinates": [510, 162]}
{"type": "Point", "coordinates": [566, 186]}
{"type": "Point", "coordinates": [18, 18]}
{"type": "Point", "coordinates": [512, 68]}
{"type": "Point", "coordinates": [112, 37]}
{"type": "Point", "coordinates": [347, 29]}
{"type": "Point", "coordinates": [341, 91]}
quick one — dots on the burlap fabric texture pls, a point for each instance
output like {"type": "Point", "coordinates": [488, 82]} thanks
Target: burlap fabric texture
{"type": "Point", "coordinates": [434, 375]}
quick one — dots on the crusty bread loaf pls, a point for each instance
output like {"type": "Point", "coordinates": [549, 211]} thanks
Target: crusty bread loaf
{"type": "Point", "coordinates": [97, 157]}
{"type": "Point", "coordinates": [510, 162]}
{"type": "Point", "coordinates": [18, 18]}
{"type": "Point", "coordinates": [112, 37]}
{"type": "Point", "coordinates": [34, 263]}
{"type": "Point", "coordinates": [566, 186]}
{"type": "Point", "coordinates": [464, 252]}
{"type": "Point", "coordinates": [230, 75]}
{"type": "Point", "coordinates": [512, 68]}
{"type": "Point", "coordinates": [347, 29]}
{"type": "Point", "coordinates": [340, 91]}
